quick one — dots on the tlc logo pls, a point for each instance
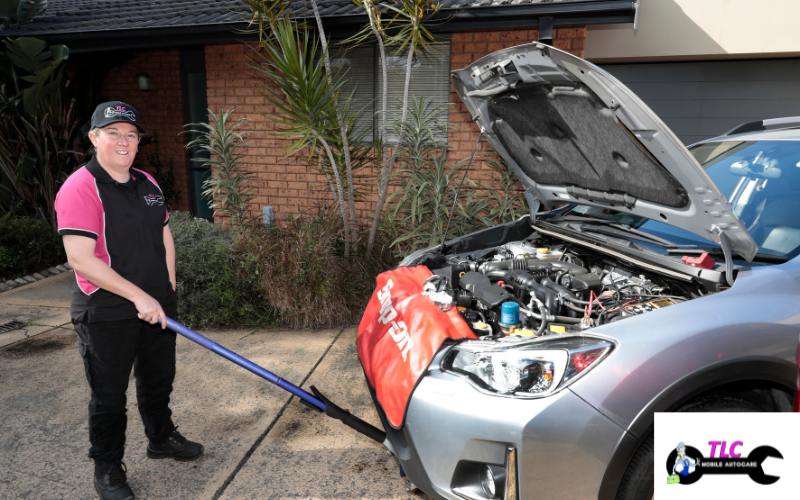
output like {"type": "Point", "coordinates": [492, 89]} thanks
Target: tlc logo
{"type": "Point", "coordinates": [722, 444]}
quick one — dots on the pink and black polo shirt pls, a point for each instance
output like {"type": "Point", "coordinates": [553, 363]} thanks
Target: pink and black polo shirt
{"type": "Point", "coordinates": [127, 222]}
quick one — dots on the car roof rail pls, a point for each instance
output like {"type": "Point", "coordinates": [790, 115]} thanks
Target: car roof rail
{"type": "Point", "coordinates": [771, 124]}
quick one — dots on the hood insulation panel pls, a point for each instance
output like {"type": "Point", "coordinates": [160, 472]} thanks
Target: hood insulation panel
{"type": "Point", "coordinates": [565, 135]}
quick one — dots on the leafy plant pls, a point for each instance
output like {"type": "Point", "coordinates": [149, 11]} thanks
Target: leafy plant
{"type": "Point", "coordinates": [421, 207]}
{"type": "Point", "coordinates": [428, 189]}
{"type": "Point", "coordinates": [303, 272]}
{"type": "Point", "coordinates": [507, 201]}
{"type": "Point", "coordinates": [410, 20]}
{"type": "Point", "coordinates": [362, 157]}
{"type": "Point", "coordinates": [27, 245]}
{"type": "Point", "coordinates": [343, 139]}
{"type": "Point", "coordinates": [20, 11]}
{"type": "Point", "coordinates": [32, 73]}
{"type": "Point", "coordinates": [37, 128]}
{"type": "Point", "coordinates": [231, 189]}
{"type": "Point", "coordinates": [296, 84]}
{"type": "Point", "coordinates": [164, 177]}
{"type": "Point", "coordinates": [275, 14]}
{"type": "Point", "coordinates": [422, 127]}
{"type": "Point", "coordinates": [215, 286]}
{"type": "Point", "coordinates": [308, 99]}
{"type": "Point", "coordinates": [264, 13]}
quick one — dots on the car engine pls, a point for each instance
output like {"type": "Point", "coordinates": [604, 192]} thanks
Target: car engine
{"type": "Point", "coordinates": [542, 286]}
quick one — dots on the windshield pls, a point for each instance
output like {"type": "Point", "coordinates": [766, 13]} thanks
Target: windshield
{"type": "Point", "coordinates": [760, 180]}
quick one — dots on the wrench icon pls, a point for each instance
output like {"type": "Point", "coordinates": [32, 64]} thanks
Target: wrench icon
{"type": "Point", "coordinates": [759, 455]}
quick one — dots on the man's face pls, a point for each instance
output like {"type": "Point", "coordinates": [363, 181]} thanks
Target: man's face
{"type": "Point", "coordinates": [116, 145]}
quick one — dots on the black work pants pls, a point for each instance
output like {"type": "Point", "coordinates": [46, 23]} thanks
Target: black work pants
{"type": "Point", "coordinates": [109, 350]}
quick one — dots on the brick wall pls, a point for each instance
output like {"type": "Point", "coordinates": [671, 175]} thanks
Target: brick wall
{"type": "Point", "coordinates": [161, 109]}
{"type": "Point", "coordinates": [287, 183]}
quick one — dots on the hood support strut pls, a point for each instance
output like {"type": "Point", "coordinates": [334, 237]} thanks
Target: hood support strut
{"type": "Point", "coordinates": [533, 204]}
{"type": "Point", "coordinates": [725, 243]}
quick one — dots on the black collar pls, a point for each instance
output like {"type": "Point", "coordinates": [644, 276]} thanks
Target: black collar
{"type": "Point", "coordinates": [101, 175]}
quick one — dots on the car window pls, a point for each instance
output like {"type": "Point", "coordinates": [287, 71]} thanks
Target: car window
{"type": "Point", "coordinates": [761, 181]}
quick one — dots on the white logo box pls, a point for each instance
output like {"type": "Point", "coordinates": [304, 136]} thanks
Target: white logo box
{"type": "Point", "coordinates": [778, 430]}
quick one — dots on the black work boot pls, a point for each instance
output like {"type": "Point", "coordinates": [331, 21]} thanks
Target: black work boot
{"type": "Point", "coordinates": [110, 480]}
{"type": "Point", "coordinates": [175, 446]}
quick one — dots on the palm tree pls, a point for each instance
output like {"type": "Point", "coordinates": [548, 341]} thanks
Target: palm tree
{"type": "Point", "coordinates": [304, 100]}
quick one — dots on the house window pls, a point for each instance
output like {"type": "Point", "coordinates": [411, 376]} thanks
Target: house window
{"type": "Point", "coordinates": [356, 66]}
{"type": "Point", "coordinates": [193, 63]}
{"type": "Point", "coordinates": [430, 79]}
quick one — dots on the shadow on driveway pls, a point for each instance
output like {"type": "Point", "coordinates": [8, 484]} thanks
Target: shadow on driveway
{"type": "Point", "coordinates": [44, 435]}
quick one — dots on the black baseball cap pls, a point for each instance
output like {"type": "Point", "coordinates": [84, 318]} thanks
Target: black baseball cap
{"type": "Point", "coordinates": [113, 112]}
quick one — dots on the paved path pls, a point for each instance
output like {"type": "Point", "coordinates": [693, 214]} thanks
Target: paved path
{"type": "Point", "coordinates": [42, 306]}
{"type": "Point", "coordinates": [260, 442]}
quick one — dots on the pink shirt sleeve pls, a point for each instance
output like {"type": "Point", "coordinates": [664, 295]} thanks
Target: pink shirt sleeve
{"type": "Point", "coordinates": [78, 207]}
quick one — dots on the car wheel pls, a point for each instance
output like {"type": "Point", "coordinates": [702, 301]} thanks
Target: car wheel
{"type": "Point", "coordinates": [637, 483]}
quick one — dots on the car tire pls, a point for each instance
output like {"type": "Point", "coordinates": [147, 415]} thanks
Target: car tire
{"type": "Point", "coordinates": [637, 483]}
{"type": "Point", "coordinates": [726, 403]}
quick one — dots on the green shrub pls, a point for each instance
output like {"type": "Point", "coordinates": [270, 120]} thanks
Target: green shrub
{"type": "Point", "coordinates": [427, 189]}
{"type": "Point", "coordinates": [303, 272]}
{"type": "Point", "coordinates": [214, 288]}
{"type": "Point", "coordinates": [27, 245]}
{"type": "Point", "coordinates": [420, 209]}
{"type": "Point", "coordinates": [37, 127]}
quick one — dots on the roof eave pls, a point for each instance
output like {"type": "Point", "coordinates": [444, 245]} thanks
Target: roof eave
{"type": "Point", "coordinates": [475, 18]}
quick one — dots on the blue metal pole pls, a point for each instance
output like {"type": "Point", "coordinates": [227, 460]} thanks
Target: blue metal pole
{"type": "Point", "coordinates": [244, 363]}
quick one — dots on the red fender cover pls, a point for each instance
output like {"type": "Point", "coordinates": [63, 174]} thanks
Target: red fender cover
{"type": "Point", "coordinates": [400, 333]}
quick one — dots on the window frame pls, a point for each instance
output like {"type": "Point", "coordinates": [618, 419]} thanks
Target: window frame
{"type": "Point", "coordinates": [446, 42]}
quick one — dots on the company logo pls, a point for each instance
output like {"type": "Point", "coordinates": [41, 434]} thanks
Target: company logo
{"type": "Point", "coordinates": [686, 464]}
{"type": "Point", "coordinates": [398, 329]}
{"type": "Point", "coordinates": [154, 200]}
{"type": "Point", "coordinates": [111, 112]}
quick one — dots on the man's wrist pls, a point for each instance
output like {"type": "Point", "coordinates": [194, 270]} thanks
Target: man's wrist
{"type": "Point", "coordinates": [139, 295]}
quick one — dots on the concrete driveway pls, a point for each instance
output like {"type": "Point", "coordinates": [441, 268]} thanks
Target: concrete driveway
{"type": "Point", "coordinates": [260, 442]}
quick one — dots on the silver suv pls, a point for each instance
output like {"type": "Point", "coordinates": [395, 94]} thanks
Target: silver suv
{"type": "Point", "coordinates": [666, 280]}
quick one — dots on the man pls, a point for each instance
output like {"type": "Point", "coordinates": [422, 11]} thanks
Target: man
{"type": "Point", "coordinates": [115, 229]}
{"type": "Point", "coordinates": [684, 464]}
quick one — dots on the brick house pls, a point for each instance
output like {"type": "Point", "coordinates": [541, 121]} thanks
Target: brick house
{"type": "Point", "coordinates": [196, 55]}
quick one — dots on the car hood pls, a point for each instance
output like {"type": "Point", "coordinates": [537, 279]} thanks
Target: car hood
{"type": "Point", "coordinates": [572, 133]}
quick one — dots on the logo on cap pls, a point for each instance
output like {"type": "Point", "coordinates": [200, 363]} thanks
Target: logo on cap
{"type": "Point", "coordinates": [111, 112]}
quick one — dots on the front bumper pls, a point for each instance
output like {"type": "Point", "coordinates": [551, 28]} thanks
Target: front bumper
{"type": "Point", "coordinates": [562, 444]}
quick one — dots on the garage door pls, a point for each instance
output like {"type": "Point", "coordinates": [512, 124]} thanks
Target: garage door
{"type": "Point", "coordinates": [699, 100]}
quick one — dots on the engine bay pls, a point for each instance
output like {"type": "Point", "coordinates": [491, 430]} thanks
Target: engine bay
{"type": "Point", "coordinates": [543, 286]}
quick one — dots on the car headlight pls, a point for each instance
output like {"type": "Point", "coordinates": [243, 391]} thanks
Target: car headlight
{"type": "Point", "coordinates": [529, 370]}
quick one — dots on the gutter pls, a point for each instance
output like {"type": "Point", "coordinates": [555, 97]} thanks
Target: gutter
{"type": "Point", "coordinates": [582, 12]}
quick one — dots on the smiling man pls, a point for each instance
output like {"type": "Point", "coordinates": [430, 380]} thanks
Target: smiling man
{"type": "Point", "coordinates": [115, 227]}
